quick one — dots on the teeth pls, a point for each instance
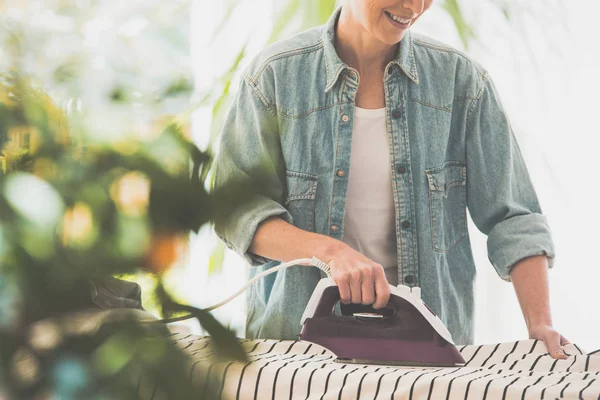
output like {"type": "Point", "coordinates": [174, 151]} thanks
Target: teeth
{"type": "Point", "coordinates": [398, 19]}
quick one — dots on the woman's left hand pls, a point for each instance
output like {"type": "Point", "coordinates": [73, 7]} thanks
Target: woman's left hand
{"type": "Point", "coordinates": [554, 341]}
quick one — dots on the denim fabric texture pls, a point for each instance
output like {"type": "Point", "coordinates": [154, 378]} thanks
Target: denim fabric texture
{"type": "Point", "coordinates": [452, 151]}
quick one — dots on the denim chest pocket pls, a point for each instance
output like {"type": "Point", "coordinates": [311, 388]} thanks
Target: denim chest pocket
{"type": "Point", "coordinates": [447, 204]}
{"type": "Point", "coordinates": [300, 199]}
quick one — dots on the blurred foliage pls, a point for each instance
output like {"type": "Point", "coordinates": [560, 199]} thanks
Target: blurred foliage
{"type": "Point", "coordinates": [72, 213]}
{"type": "Point", "coordinates": [95, 183]}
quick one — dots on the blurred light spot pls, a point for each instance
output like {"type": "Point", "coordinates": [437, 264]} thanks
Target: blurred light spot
{"type": "Point", "coordinates": [45, 336]}
{"type": "Point", "coordinates": [164, 252]}
{"type": "Point", "coordinates": [78, 226]}
{"type": "Point", "coordinates": [70, 375]}
{"type": "Point", "coordinates": [131, 194]}
{"type": "Point", "coordinates": [24, 367]}
{"type": "Point", "coordinates": [34, 199]}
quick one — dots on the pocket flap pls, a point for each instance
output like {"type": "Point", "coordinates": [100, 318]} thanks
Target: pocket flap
{"type": "Point", "coordinates": [446, 176]}
{"type": "Point", "coordinates": [300, 185]}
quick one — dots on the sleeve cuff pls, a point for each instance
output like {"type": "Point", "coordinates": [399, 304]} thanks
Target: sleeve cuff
{"type": "Point", "coordinates": [242, 227]}
{"type": "Point", "coordinates": [517, 238]}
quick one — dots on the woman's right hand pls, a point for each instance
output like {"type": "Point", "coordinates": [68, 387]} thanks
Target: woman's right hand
{"type": "Point", "coordinates": [359, 279]}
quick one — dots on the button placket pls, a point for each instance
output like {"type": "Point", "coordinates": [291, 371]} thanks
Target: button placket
{"type": "Point", "coordinates": [403, 189]}
{"type": "Point", "coordinates": [341, 159]}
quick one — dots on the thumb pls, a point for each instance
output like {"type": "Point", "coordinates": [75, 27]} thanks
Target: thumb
{"type": "Point", "coordinates": [554, 346]}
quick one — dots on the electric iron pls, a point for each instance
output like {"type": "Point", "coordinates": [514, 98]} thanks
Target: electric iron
{"type": "Point", "coordinates": [405, 332]}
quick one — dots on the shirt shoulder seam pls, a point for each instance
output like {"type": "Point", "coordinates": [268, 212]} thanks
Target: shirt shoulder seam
{"type": "Point", "coordinates": [256, 90]}
{"type": "Point", "coordinates": [285, 54]}
{"type": "Point", "coordinates": [482, 74]}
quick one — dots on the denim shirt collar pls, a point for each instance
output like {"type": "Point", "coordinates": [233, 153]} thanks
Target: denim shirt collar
{"type": "Point", "coordinates": [405, 57]}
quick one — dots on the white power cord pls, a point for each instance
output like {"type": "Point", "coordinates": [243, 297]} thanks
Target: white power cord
{"type": "Point", "coordinates": [314, 262]}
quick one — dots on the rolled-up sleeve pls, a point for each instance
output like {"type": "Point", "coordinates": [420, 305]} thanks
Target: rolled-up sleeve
{"type": "Point", "coordinates": [249, 171]}
{"type": "Point", "coordinates": [501, 198]}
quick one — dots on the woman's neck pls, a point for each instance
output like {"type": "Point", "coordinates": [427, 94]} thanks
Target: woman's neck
{"type": "Point", "coordinates": [358, 48]}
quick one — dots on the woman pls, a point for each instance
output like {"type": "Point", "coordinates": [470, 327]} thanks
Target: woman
{"type": "Point", "coordinates": [365, 145]}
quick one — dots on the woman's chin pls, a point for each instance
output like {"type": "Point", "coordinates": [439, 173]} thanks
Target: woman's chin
{"type": "Point", "coordinates": [391, 39]}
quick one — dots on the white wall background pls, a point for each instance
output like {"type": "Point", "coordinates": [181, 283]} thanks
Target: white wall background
{"type": "Point", "coordinates": [551, 88]}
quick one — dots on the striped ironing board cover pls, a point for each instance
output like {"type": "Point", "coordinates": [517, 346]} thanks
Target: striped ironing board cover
{"type": "Point", "coordinates": [301, 370]}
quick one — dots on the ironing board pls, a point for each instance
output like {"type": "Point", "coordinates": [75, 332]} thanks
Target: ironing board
{"type": "Point", "coordinates": [301, 370]}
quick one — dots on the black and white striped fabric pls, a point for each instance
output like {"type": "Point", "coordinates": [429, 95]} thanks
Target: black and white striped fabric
{"type": "Point", "coordinates": [301, 370]}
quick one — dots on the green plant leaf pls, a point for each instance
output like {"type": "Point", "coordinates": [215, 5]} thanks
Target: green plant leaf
{"type": "Point", "coordinates": [465, 31]}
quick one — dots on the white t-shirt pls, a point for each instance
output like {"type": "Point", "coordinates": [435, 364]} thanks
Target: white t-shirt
{"type": "Point", "coordinates": [369, 221]}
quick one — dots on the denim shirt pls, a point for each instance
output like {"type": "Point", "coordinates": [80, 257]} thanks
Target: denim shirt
{"type": "Point", "coordinates": [452, 149]}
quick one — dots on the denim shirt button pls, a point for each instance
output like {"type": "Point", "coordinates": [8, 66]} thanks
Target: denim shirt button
{"type": "Point", "coordinates": [335, 228]}
{"type": "Point", "coordinates": [345, 118]}
{"type": "Point", "coordinates": [341, 173]}
{"type": "Point", "coordinates": [406, 224]}
{"type": "Point", "coordinates": [409, 279]}
{"type": "Point", "coordinates": [401, 169]}
{"type": "Point", "coordinates": [396, 114]}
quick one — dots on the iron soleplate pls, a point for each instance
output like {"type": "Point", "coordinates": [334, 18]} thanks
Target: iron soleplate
{"type": "Point", "coordinates": [397, 363]}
